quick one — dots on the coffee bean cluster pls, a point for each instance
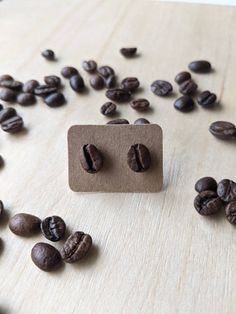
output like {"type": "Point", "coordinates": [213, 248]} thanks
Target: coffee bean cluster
{"type": "Point", "coordinates": [45, 256]}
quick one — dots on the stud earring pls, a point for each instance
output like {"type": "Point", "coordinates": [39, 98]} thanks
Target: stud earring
{"type": "Point", "coordinates": [91, 158]}
{"type": "Point", "coordinates": [138, 158]}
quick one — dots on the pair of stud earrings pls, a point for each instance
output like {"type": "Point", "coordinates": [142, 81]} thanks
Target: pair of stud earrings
{"type": "Point", "coordinates": [138, 158]}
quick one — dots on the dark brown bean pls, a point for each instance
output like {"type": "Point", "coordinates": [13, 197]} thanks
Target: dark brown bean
{"type": "Point", "coordinates": [206, 184]}
{"type": "Point", "coordinates": [30, 86]}
{"type": "Point", "coordinates": [182, 77]}
{"type": "Point", "coordinates": [7, 113]}
{"type": "Point", "coordinates": [141, 121]}
{"type": "Point", "coordinates": [118, 94]}
{"type": "Point", "coordinates": [130, 83]}
{"type": "Point", "coordinates": [48, 54]}
{"type": "Point", "coordinates": [110, 81]}
{"type": "Point", "coordinates": [1, 161]}
{"type": "Point", "coordinates": [52, 80]}
{"type": "Point", "coordinates": [7, 94]}
{"type": "Point", "coordinates": [45, 90]}
{"type": "Point", "coordinates": [97, 82]}
{"type": "Point", "coordinates": [118, 121]}
{"type": "Point", "coordinates": [1, 107]}
{"type": "Point", "coordinates": [68, 72]}
{"type": "Point", "coordinates": [230, 211]}
{"type": "Point", "coordinates": [24, 225]}
{"type": "Point", "coordinates": [188, 87]}
{"type": "Point", "coordinates": [13, 125]}
{"type": "Point", "coordinates": [223, 130]}
{"type": "Point", "coordinates": [128, 52]}
{"type": "Point", "coordinates": [55, 100]}
{"type": "Point", "coordinates": [6, 77]}
{"type": "Point", "coordinates": [139, 158]}
{"type": "Point", "coordinates": [53, 228]}
{"type": "Point", "coordinates": [77, 83]}
{"type": "Point", "coordinates": [91, 158]}
{"type": "Point", "coordinates": [200, 66]}
{"type": "Point", "coordinates": [45, 256]}
{"type": "Point", "coordinates": [109, 108]}
{"type": "Point", "coordinates": [184, 104]}
{"type": "Point", "coordinates": [207, 203]}
{"type": "Point", "coordinates": [206, 99]}
{"type": "Point", "coordinates": [25, 99]}
{"type": "Point", "coordinates": [1, 207]}
{"type": "Point", "coordinates": [105, 71]}
{"type": "Point", "coordinates": [226, 190]}
{"type": "Point", "coordinates": [89, 66]}
{"type": "Point", "coordinates": [161, 88]}
{"type": "Point", "coordinates": [140, 104]}
{"type": "Point", "coordinates": [12, 84]}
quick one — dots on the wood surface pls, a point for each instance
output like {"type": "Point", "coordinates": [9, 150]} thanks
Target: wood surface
{"type": "Point", "coordinates": [152, 252]}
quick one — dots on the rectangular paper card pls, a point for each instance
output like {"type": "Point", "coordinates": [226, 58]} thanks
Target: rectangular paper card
{"type": "Point", "coordinates": [114, 141]}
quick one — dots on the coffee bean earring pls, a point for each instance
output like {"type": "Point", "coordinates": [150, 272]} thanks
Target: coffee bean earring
{"type": "Point", "coordinates": [91, 158]}
{"type": "Point", "coordinates": [138, 158]}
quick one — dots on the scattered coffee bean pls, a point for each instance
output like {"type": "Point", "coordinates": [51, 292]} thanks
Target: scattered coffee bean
{"type": "Point", "coordinates": [223, 130]}
{"type": "Point", "coordinates": [226, 190]}
{"type": "Point", "coordinates": [12, 84]}
{"type": "Point", "coordinates": [91, 158]}
{"type": "Point", "coordinates": [1, 207]}
{"type": "Point", "coordinates": [118, 94]}
{"type": "Point", "coordinates": [128, 52]}
{"type": "Point", "coordinates": [45, 256]}
{"type": "Point", "coordinates": [13, 125]}
{"type": "Point", "coordinates": [48, 54]}
{"type": "Point", "coordinates": [1, 161]}
{"type": "Point", "coordinates": [139, 158]}
{"type": "Point", "coordinates": [55, 100]}
{"type": "Point", "coordinates": [109, 108]}
{"type": "Point", "coordinates": [110, 81]}
{"type": "Point", "coordinates": [182, 77]}
{"type": "Point", "coordinates": [24, 225]}
{"type": "Point", "coordinates": [76, 247]}
{"type": "Point", "coordinates": [7, 113]}
{"type": "Point", "coordinates": [206, 99]}
{"type": "Point", "coordinates": [53, 228]}
{"type": "Point", "coordinates": [140, 104]}
{"type": "Point", "coordinates": [130, 83]}
{"type": "Point", "coordinates": [184, 104]}
{"type": "Point", "coordinates": [200, 66]}
{"type": "Point", "coordinates": [97, 82]}
{"type": "Point", "coordinates": [188, 87]}
{"type": "Point", "coordinates": [89, 66]}
{"type": "Point", "coordinates": [141, 121]}
{"type": "Point", "coordinates": [230, 211]}
{"type": "Point", "coordinates": [52, 80]}
{"type": "Point", "coordinates": [207, 203]}
{"type": "Point", "coordinates": [118, 121]}
{"type": "Point", "coordinates": [77, 83]}
{"type": "Point", "coordinates": [161, 88]}
{"type": "Point", "coordinates": [30, 86]}
{"type": "Point", "coordinates": [25, 99]}
{"type": "Point", "coordinates": [105, 71]}
{"type": "Point", "coordinates": [7, 94]}
{"type": "Point", "coordinates": [45, 90]}
{"type": "Point", "coordinates": [206, 184]}
{"type": "Point", "coordinates": [6, 77]}
{"type": "Point", "coordinates": [68, 72]}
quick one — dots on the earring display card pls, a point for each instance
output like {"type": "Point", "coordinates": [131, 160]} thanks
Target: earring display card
{"type": "Point", "coordinates": [114, 141]}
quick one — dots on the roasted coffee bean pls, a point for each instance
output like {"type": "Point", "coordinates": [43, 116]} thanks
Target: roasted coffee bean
{"type": "Point", "coordinates": [128, 52]}
{"type": "Point", "coordinates": [91, 158]}
{"type": "Point", "coordinates": [68, 72]}
{"type": "Point", "coordinates": [97, 82]}
{"type": "Point", "coordinates": [206, 184]}
{"type": "Point", "coordinates": [6, 77]}
{"type": "Point", "coordinates": [139, 158]}
{"type": "Point", "coordinates": [55, 100]}
{"type": "Point", "coordinates": [140, 104]}
{"type": "Point", "coordinates": [48, 54]}
{"type": "Point", "coordinates": [207, 203]}
{"type": "Point", "coordinates": [76, 247]}
{"type": "Point", "coordinates": [226, 190]}
{"type": "Point", "coordinates": [206, 99]}
{"type": "Point", "coordinates": [45, 256]}
{"type": "Point", "coordinates": [141, 121]}
{"type": "Point", "coordinates": [110, 81]}
{"type": "Point", "coordinates": [45, 90]}
{"type": "Point", "coordinates": [25, 99]}
{"type": "Point", "coordinates": [7, 113]}
{"type": "Point", "coordinates": [223, 130]}
{"type": "Point", "coordinates": [1, 107]}
{"type": "Point", "coordinates": [182, 77]}
{"type": "Point", "coordinates": [200, 66]}
{"type": "Point", "coordinates": [105, 71]}
{"type": "Point", "coordinates": [230, 211]}
{"type": "Point", "coordinates": [109, 108]}
{"type": "Point", "coordinates": [52, 80]}
{"type": "Point", "coordinates": [24, 225]}
{"type": "Point", "coordinates": [30, 86]}
{"type": "Point", "coordinates": [118, 121]}
{"type": "Point", "coordinates": [7, 94]}
{"type": "Point", "coordinates": [53, 228]}
{"type": "Point", "coordinates": [118, 94]}
{"type": "Point", "coordinates": [188, 87]}
{"type": "Point", "coordinates": [13, 125]}
{"type": "Point", "coordinates": [184, 104]}
{"type": "Point", "coordinates": [1, 161]}
{"type": "Point", "coordinates": [77, 83]}
{"type": "Point", "coordinates": [161, 88]}
{"type": "Point", "coordinates": [15, 85]}
{"type": "Point", "coordinates": [1, 207]}
{"type": "Point", "coordinates": [89, 66]}
{"type": "Point", "coordinates": [130, 83]}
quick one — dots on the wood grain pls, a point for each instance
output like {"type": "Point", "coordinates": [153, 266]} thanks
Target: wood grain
{"type": "Point", "coordinates": [153, 253]}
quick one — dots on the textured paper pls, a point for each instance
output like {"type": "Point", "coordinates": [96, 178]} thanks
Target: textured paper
{"type": "Point", "coordinates": [114, 142]}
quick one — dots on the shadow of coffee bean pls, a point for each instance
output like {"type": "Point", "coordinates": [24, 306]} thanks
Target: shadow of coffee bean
{"type": "Point", "coordinates": [4, 218]}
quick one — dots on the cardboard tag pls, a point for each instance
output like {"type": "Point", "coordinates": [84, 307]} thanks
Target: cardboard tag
{"type": "Point", "coordinates": [114, 142]}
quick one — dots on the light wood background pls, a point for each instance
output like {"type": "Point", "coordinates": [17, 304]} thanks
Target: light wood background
{"type": "Point", "coordinates": [153, 253]}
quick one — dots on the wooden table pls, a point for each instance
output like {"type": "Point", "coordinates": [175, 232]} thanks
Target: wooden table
{"type": "Point", "coordinates": [153, 253]}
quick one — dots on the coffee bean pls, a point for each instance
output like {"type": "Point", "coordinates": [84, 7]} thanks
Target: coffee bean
{"type": "Point", "coordinates": [13, 125]}
{"type": "Point", "coordinates": [161, 88]}
{"type": "Point", "coordinates": [77, 83]}
{"type": "Point", "coordinates": [52, 80]}
{"type": "Point", "coordinates": [184, 104]}
{"type": "Point", "coordinates": [53, 228]}
{"type": "Point", "coordinates": [1, 161]}
{"type": "Point", "coordinates": [223, 130]}
{"type": "Point", "coordinates": [91, 158]}
{"type": "Point", "coordinates": [230, 211]}
{"type": "Point", "coordinates": [140, 104]}
{"type": "Point", "coordinates": [141, 121]}
{"type": "Point", "coordinates": [200, 66]}
{"type": "Point", "coordinates": [1, 207]}
{"type": "Point", "coordinates": [206, 99]}
{"type": "Point", "coordinates": [206, 184]}
{"type": "Point", "coordinates": [76, 247]}
{"type": "Point", "coordinates": [15, 85]}
{"type": "Point", "coordinates": [128, 52]}
{"type": "Point", "coordinates": [30, 86]}
{"type": "Point", "coordinates": [188, 87]}
{"type": "Point", "coordinates": [25, 99]}
{"type": "Point", "coordinates": [68, 72]}
{"type": "Point", "coordinates": [7, 94]}
{"type": "Point", "coordinates": [6, 77]}
{"type": "Point", "coordinates": [109, 108]}
{"type": "Point", "coordinates": [89, 66]}
{"type": "Point", "coordinates": [130, 83]}
{"type": "Point", "coordinates": [182, 77]}
{"type": "Point", "coordinates": [139, 158]}
{"type": "Point", "coordinates": [1, 107]}
{"type": "Point", "coordinates": [45, 90]}
{"type": "Point", "coordinates": [45, 256]}
{"type": "Point", "coordinates": [118, 94]}
{"type": "Point", "coordinates": [207, 203]}
{"type": "Point", "coordinates": [226, 190]}
{"type": "Point", "coordinates": [110, 81]}
{"type": "Point", "coordinates": [118, 121]}
{"type": "Point", "coordinates": [7, 113]}
{"type": "Point", "coordinates": [48, 54]}
{"type": "Point", "coordinates": [55, 100]}
{"type": "Point", "coordinates": [105, 71]}
{"type": "Point", "coordinates": [97, 82]}
{"type": "Point", "coordinates": [24, 225]}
